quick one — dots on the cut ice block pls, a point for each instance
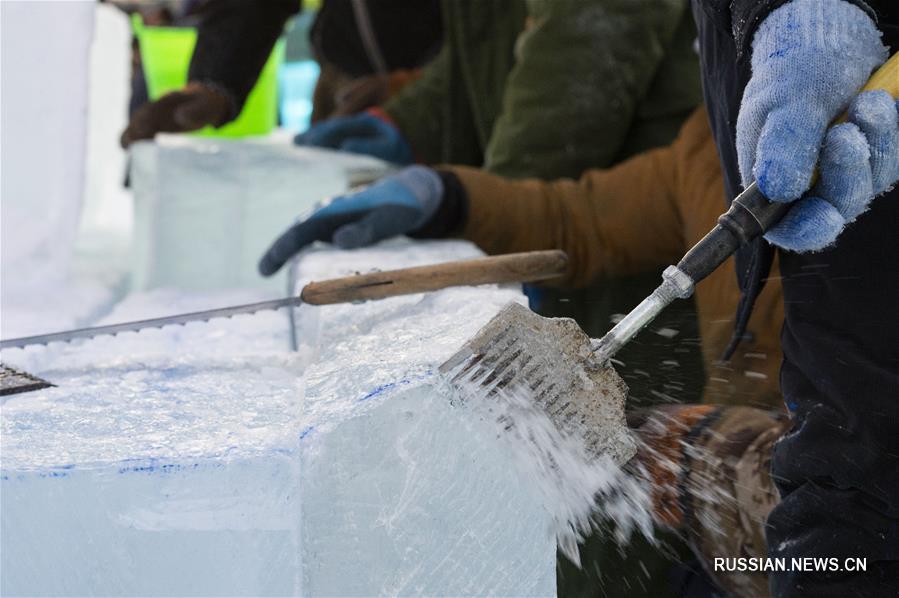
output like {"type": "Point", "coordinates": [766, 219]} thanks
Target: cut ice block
{"type": "Point", "coordinates": [206, 210]}
{"type": "Point", "coordinates": [403, 493]}
{"type": "Point", "coordinates": [156, 467]}
{"type": "Point", "coordinates": [198, 460]}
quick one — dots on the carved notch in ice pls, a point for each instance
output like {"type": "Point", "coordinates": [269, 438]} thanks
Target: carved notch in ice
{"type": "Point", "coordinates": [188, 463]}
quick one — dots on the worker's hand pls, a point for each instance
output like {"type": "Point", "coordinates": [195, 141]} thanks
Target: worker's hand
{"type": "Point", "coordinates": [370, 133]}
{"type": "Point", "coordinates": [663, 434]}
{"type": "Point", "coordinates": [395, 205]}
{"type": "Point", "coordinates": [189, 109]}
{"type": "Point", "coordinates": [694, 455]}
{"type": "Point", "coordinates": [809, 58]}
{"type": "Point", "coordinates": [859, 160]}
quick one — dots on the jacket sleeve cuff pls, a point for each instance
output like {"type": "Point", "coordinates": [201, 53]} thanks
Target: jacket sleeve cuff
{"type": "Point", "coordinates": [451, 214]}
{"type": "Point", "coordinates": [234, 41]}
{"type": "Point", "coordinates": [747, 15]}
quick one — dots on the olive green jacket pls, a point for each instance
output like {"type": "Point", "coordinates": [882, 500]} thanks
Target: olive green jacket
{"type": "Point", "coordinates": [549, 88]}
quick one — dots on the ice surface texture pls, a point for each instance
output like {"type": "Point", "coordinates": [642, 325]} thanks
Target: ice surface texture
{"type": "Point", "coordinates": [206, 209]}
{"type": "Point", "coordinates": [200, 460]}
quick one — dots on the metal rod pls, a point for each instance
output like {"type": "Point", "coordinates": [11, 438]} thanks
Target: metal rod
{"type": "Point", "coordinates": [675, 285]}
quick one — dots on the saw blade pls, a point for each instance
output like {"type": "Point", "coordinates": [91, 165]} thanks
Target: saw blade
{"type": "Point", "coordinates": [137, 325]}
{"type": "Point", "coordinates": [13, 381]}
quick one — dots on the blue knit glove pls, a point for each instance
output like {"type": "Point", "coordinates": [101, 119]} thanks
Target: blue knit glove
{"type": "Point", "coordinates": [395, 205]}
{"type": "Point", "coordinates": [859, 160]}
{"type": "Point", "coordinates": [363, 133]}
{"type": "Point", "coordinates": [809, 58]}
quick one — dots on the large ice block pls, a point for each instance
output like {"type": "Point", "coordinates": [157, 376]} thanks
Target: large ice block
{"type": "Point", "coordinates": [44, 77]}
{"type": "Point", "coordinates": [206, 209]}
{"type": "Point", "coordinates": [209, 460]}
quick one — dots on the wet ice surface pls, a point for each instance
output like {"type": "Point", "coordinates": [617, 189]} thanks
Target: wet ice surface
{"type": "Point", "coordinates": [200, 459]}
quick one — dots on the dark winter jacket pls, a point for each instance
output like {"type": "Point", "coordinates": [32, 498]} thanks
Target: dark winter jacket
{"type": "Point", "coordinates": [236, 37]}
{"type": "Point", "coordinates": [234, 40]}
{"type": "Point", "coordinates": [549, 88]}
{"type": "Point", "coordinates": [405, 33]}
{"type": "Point", "coordinates": [837, 469]}
{"type": "Point", "coordinates": [726, 28]}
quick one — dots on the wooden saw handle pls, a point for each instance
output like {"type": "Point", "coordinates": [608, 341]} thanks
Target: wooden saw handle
{"type": "Point", "coordinates": [513, 267]}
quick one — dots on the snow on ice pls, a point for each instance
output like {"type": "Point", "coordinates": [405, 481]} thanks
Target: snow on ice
{"type": "Point", "coordinates": [210, 459]}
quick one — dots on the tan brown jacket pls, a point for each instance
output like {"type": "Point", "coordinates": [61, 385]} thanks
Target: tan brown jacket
{"type": "Point", "coordinates": [640, 215]}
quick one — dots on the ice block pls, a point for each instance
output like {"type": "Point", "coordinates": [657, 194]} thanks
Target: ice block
{"type": "Point", "coordinates": [206, 209]}
{"type": "Point", "coordinates": [43, 137]}
{"type": "Point", "coordinates": [208, 460]}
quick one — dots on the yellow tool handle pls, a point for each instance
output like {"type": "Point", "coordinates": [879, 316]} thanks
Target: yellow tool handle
{"type": "Point", "coordinates": [886, 77]}
{"type": "Point", "coordinates": [751, 214]}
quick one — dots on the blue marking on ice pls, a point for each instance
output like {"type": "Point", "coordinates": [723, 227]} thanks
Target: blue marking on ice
{"type": "Point", "coordinates": [152, 465]}
{"type": "Point", "coordinates": [382, 388]}
{"type": "Point", "coordinates": [391, 385]}
{"type": "Point", "coordinates": [306, 432]}
{"type": "Point", "coordinates": [173, 372]}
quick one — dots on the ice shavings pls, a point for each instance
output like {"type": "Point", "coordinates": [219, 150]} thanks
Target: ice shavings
{"type": "Point", "coordinates": [390, 462]}
{"type": "Point", "coordinates": [580, 491]}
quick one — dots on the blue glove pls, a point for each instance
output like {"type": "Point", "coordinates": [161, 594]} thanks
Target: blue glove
{"type": "Point", "coordinates": [809, 58]}
{"type": "Point", "coordinates": [395, 205]}
{"type": "Point", "coordinates": [859, 160]}
{"type": "Point", "coordinates": [362, 133]}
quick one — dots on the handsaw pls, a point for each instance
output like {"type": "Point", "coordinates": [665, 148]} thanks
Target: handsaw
{"type": "Point", "coordinates": [569, 376]}
{"type": "Point", "coordinates": [523, 267]}
{"type": "Point", "coordinates": [13, 381]}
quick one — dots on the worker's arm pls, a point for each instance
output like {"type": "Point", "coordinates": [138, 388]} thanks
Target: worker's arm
{"type": "Point", "coordinates": [582, 70]}
{"type": "Point", "coordinates": [707, 468]}
{"type": "Point", "coordinates": [610, 222]}
{"type": "Point", "coordinates": [234, 40]}
{"type": "Point", "coordinates": [809, 58]}
{"type": "Point", "coordinates": [416, 109]}
{"type": "Point", "coordinates": [406, 128]}
{"type": "Point", "coordinates": [617, 221]}
{"type": "Point", "coordinates": [614, 222]}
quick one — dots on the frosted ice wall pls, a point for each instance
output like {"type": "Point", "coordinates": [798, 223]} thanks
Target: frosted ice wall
{"type": "Point", "coordinates": [62, 79]}
{"type": "Point", "coordinates": [45, 52]}
{"type": "Point", "coordinates": [198, 460]}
